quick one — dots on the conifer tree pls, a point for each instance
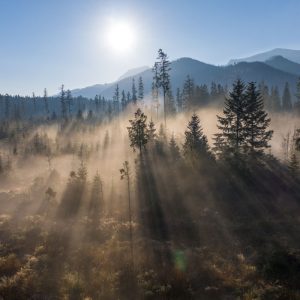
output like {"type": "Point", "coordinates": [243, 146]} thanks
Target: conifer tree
{"type": "Point", "coordinates": [231, 139]}
{"type": "Point", "coordinates": [195, 145]}
{"type": "Point", "coordinates": [125, 174]}
{"type": "Point", "coordinates": [96, 202]}
{"type": "Point", "coordinates": [141, 89]}
{"type": "Point", "coordinates": [174, 149]}
{"type": "Point", "coordinates": [123, 100]}
{"type": "Point", "coordinates": [151, 132]}
{"type": "Point", "coordinates": [293, 165]}
{"type": "Point", "coordinates": [63, 102]}
{"type": "Point", "coordinates": [34, 101]}
{"type": "Point", "coordinates": [45, 97]}
{"type": "Point", "coordinates": [256, 121]}
{"type": "Point", "coordinates": [138, 132]}
{"type": "Point", "coordinates": [69, 102]}
{"type": "Point", "coordinates": [275, 100]}
{"type": "Point", "coordinates": [133, 92]}
{"type": "Point", "coordinates": [188, 94]}
{"type": "Point", "coordinates": [170, 103]}
{"type": "Point", "coordinates": [116, 99]}
{"type": "Point", "coordinates": [264, 91]}
{"type": "Point", "coordinates": [163, 79]}
{"type": "Point", "coordinates": [155, 102]}
{"type": "Point", "coordinates": [297, 103]}
{"type": "Point", "coordinates": [178, 100]}
{"type": "Point", "coordinates": [286, 99]}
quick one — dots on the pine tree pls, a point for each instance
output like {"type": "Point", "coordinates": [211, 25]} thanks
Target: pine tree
{"type": "Point", "coordinates": [116, 99]}
{"type": "Point", "coordinates": [179, 100]}
{"type": "Point", "coordinates": [264, 91]}
{"type": "Point", "coordinates": [69, 102]}
{"type": "Point", "coordinates": [63, 102]}
{"type": "Point", "coordinates": [286, 99]}
{"type": "Point", "coordinates": [188, 94]}
{"type": "Point", "coordinates": [96, 202]}
{"type": "Point", "coordinates": [275, 100]}
{"type": "Point", "coordinates": [213, 91]}
{"type": "Point", "coordinates": [170, 103]}
{"type": "Point", "coordinates": [164, 67]}
{"type": "Point", "coordinates": [293, 165]}
{"type": "Point", "coordinates": [123, 100]}
{"type": "Point", "coordinates": [34, 101]}
{"type": "Point", "coordinates": [141, 89]}
{"type": "Point", "coordinates": [297, 103]}
{"type": "Point", "coordinates": [151, 132]}
{"type": "Point", "coordinates": [195, 145]}
{"type": "Point", "coordinates": [155, 102]}
{"type": "Point", "coordinates": [256, 121]}
{"type": "Point", "coordinates": [125, 174]}
{"type": "Point", "coordinates": [138, 133]}
{"type": "Point", "coordinates": [128, 98]}
{"type": "Point", "coordinates": [231, 139]}
{"type": "Point", "coordinates": [45, 97]}
{"type": "Point", "coordinates": [174, 149]}
{"type": "Point", "coordinates": [133, 92]}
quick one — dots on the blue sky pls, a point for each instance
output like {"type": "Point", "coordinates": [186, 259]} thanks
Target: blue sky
{"type": "Point", "coordinates": [45, 43]}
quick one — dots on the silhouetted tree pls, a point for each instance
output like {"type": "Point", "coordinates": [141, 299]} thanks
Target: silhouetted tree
{"type": "Point", "coordinates": [45, 97]}
{"type": "Point", "coordinates": [231, 139]}
{"type": "Point", "coordinates": [188, 93]}
{"type": "Point", "coordinates": [138, 133]}
{"type": "Point", "coordinates": [256, 121]}
{"type": "Point", "coordinates": [63, 102]}
{"type": "Point", "coordinates": [141, 89]}
{"type": "Point", "coordinates": [286, 98]}
{"type": "Point", "coordinates": [275, 99]}
{"type": "Point", "coordinates": [195, 145]}
{"type": "Point", "coordinates": [163, 79]}
{"type": "Point", "coordinates": [133, 92]}
{"type": "Point", "coordinates": [174, 149]}
{"type": "Point", "coordinates": [125, 174]}
{"type": "Point", "coordinates": [297, 103]}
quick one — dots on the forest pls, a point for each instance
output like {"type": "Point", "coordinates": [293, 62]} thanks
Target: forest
{"type": "Point", "coordinates": [185, 194]}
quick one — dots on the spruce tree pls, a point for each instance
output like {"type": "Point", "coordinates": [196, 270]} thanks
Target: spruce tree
{"type": "Point", "coordinates": [116, 99]}
{"type": "Point", "coordinates": [151, 132]}
{"type": "Point", "coordinates": [174, 149]}
{"type": "Point", "coordinates": [256, 122]}
{"type": "Point", "coordinates": [178, 100]}
{"type": "Point", "coordinates": [63, 102]}
{"type": "Point", "coordinates": [188, 93]}
{"type": "Point", "coordinates": [123, 100]}
{"type": "Point", "coordinates": [275, 100]}
{"type": "Point", "coordinates": [195, 145]}
{"type": "Point", "coordinates": [286, 99]}
{"type": "Point", "coordinates": [45, 97]}
{"type": "Point", "coordinates": [138, 132]}
{"type": "Point", "coordinates": [133, 92]}
{"type": "Point", "coordinates": [163, 79]}
{"type": "Point", "coordinates": [293, 165]}
{"type": "Point", "coordinates": [69, 102]}
{"type": "Point", "coordinates": [141, 89]}
{"type": "Point", "coordinates": [231, 138]}
{"type": "Point", "coordinates": [297, 103]}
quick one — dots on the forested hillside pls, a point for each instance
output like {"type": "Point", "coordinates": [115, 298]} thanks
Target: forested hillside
{"type": "Point", "coordinates": [186, 196]}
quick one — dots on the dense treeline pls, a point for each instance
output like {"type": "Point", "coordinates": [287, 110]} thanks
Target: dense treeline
{"type": "Point", "coordinates": [153, 207]}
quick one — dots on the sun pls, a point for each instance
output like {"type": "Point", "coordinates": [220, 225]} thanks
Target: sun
{"type": "Point", "coordinates": [120, 36]}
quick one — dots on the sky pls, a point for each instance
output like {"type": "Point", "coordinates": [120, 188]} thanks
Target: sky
{"type": "Point", "coordinates": [46, 43]}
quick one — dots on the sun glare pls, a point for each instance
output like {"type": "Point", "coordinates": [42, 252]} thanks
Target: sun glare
{"type": "Point", "coordinates": [120, 36]}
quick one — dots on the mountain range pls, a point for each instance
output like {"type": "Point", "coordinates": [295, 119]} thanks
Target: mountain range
{"type": "Point", "coordinates": [275, 67]}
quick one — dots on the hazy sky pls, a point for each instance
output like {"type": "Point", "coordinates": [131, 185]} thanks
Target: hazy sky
{"type": "Point", "coordinates": [45, 43]}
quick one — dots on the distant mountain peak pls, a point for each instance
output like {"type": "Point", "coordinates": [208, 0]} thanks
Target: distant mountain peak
{"type": "Point", "coordinates": [290, 54]}
{"type": "Point", "coordinates": [133, 72]}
